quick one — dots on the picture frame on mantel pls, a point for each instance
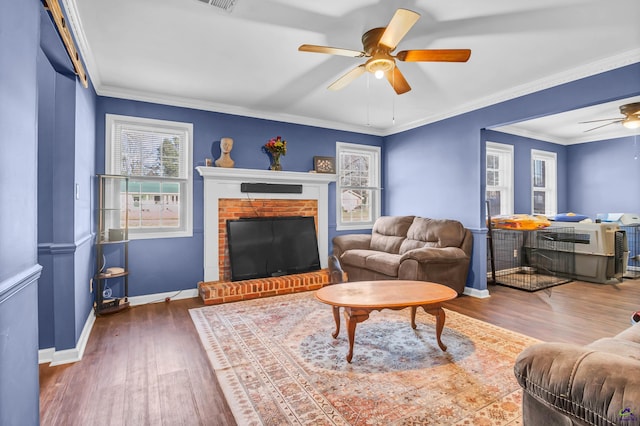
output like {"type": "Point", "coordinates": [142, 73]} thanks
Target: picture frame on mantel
{"type": "Point", "coordinates": [324, 164]}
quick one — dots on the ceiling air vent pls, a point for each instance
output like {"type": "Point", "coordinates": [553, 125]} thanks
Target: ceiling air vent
{"type": "Point", "coordinates": [226, 5]}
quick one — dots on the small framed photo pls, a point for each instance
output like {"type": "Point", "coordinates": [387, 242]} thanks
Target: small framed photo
{"type": "Point", "coordinates": [324, 164]}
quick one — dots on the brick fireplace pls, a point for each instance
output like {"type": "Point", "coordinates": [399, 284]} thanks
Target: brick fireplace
{"type": "Point", "coordinates": [224, 199]}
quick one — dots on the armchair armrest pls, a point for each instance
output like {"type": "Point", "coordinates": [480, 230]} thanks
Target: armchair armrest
{"type": "Point", "coordinates": [342, 243]}
{"type": "Point", "coordinates": [582, 383]}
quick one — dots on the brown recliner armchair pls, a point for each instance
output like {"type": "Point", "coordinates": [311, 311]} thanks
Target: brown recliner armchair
{"type": "Point", "coordinates": [597, 384]}
{"type": "Point", "coordinates": [408, 248]}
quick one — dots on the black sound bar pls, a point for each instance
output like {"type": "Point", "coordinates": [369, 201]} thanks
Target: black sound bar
{"type": "Point", "coordinates": [272, 188]}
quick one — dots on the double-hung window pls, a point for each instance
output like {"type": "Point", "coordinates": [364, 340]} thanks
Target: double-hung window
{"type": "Point", "coordinates": [499, 175]}
{"type": "Point", "coordinates": [358, 186]}
{"type": "Point", "coordinates": [156, 156]}
{"type": "Point", "coordinates": [544, 182]}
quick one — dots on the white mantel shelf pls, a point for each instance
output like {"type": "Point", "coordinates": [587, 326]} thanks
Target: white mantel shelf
{"type": "Point", "coordinates": [267, 176]}
{"type": "Point", "coordinates": [222, 182]}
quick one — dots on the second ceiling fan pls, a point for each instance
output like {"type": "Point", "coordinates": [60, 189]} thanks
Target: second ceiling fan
{"type": "Point", "coordinates": [378, 44]}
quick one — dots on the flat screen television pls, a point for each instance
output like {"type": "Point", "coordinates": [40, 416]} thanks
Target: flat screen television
{"type": "Point", "coordinates": [261, 247]}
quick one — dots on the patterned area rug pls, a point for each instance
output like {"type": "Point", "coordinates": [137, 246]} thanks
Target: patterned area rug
{"type": "Point", "coordinates": [278, 364]}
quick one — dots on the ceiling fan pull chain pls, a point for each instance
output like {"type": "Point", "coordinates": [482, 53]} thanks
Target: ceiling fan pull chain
{"type": "Point", "coordinates": [368, 101]}
{"type": "Point", "coordinates": [393, 102]}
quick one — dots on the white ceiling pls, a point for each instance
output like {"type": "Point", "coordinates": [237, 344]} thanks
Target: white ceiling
{"type": "Point", "coordinates": [569, 127]}
{"type": "Point", "coordinates": [189, 53]}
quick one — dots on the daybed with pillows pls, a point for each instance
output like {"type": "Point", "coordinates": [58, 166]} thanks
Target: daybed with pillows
{"type": "Point", "coordinates": [408, 248]}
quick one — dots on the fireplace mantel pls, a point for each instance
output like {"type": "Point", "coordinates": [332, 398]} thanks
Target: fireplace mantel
{"type": "Point", "coordinates": [222, 182]}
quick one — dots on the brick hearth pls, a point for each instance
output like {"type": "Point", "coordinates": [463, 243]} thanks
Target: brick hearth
{"type": "Point", "coordinates": [217, 292]}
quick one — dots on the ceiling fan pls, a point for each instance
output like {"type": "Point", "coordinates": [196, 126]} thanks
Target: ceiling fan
{"type": "Point", "coordinates": [631, 118]}
{"type": "Point", "coordinates": [378, 43]}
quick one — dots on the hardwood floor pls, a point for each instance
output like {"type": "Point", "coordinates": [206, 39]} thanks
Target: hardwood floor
{"type": "Point", "coordinates": [146, 366]}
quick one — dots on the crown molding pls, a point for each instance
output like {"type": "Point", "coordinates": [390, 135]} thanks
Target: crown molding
{"type": "Point", "coordinates": [231, 109]}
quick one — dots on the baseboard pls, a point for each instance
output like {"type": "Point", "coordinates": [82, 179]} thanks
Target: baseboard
{"type": "Point", "coordinates": [162, 297]}
{"type": "Point", "coordinates": [45, 356]}
{"type": "Point", "coordinates": [474, 292]}
{"type": "Point", "coordinates": [52, 357]}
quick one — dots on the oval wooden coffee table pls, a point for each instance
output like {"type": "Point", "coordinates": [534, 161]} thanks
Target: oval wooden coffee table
{"type": "Point", "coordinates": [359, 298]}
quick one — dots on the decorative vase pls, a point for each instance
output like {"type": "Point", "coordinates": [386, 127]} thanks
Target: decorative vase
{"type": "Point", "coordinates": [275, 162]}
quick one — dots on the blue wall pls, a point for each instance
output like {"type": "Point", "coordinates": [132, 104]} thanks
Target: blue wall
{"type": "Point", "coordinates": [522, 147]}
{"type": "Point", "coordinates": [604, 176]}
{"type": "Point", "coordinates": [436, 170]}
{"type": "Point", "coordinates": [165, 265]}
{"type": "Point", "coordinates": [66, 162]}
{"type": "Point", "coordinates": [19, 271]}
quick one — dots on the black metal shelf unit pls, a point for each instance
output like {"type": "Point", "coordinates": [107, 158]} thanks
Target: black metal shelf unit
{"type": "Point", "coordinates": [112, 245]}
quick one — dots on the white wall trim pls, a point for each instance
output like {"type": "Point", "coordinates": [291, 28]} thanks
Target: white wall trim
{"type": "Point", "coordinates": [473, 292]}
{"type": "Point", "coordinates": [162, 297]}
{"type": "Point", "coordinates": [66, 356]}
{"type": "Point", "coordinates": [220, 182]}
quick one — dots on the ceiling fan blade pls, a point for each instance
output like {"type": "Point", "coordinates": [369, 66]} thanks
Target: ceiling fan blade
{"type": "Point", "coordinates": [398, 27]}
{"type": "Point", "coordinates": [347, 78]}
{"type": "Point", "coordinates": [398, 82]}
{"type": "Point", "coordinates": [604, 119]}
{"type": "Point", "coordinates": [331, 50]}
{"type": "Point", "coordinates": [434, 55]}
{"type": "Point", "coordinates": [598, 127]}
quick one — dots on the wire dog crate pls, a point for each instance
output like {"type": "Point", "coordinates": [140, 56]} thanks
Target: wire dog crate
{"type": "Point", "coordinates": [533, 260]}
{"type": "Point", "coordinates": [633, 241]}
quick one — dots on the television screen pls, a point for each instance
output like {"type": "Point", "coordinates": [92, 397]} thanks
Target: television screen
{"type": "Point", "coordinates": [263, 247]}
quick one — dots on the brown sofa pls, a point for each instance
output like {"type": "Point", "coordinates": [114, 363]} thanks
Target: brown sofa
{"type": "Point", "coordinates": [596, 384]}
{"type": "Point", "coordinates": [408, 248]}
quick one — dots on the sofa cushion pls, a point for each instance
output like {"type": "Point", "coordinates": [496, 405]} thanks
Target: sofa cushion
{"type": "Point", "coordinates": [438, 233]}
{"type": "Point", "coordinates": [389, 232]}
{"type": "Point", "coordinates": [384, 263]}
{"type": "Point", "coordinates": [356, 257]}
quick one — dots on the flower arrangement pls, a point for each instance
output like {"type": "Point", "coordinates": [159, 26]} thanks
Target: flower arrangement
{"type": "Point", "coordinates": [276, 146]}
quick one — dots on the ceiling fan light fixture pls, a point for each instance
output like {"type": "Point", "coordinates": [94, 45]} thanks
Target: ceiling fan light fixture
{"type": "Point", "coordinates": [379, 65]}
{"type": "Point", "coordinates": [631, 122]}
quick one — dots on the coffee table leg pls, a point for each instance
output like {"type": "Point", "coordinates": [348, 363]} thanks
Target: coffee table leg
{"type": "Point", "coordinates": [437, 312]}
{"type": "Point", "coordinates": [413, 317]}
{"type": "Point", "coordinates": [336, 317]}
{"type": "Point", "coordinates": [353, 317]}
{"type": "Point", "coordinates": [440, 317]}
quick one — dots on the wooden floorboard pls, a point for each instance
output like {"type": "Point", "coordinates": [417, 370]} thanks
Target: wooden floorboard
{"type": "Point", "coordinates": [146, 365]}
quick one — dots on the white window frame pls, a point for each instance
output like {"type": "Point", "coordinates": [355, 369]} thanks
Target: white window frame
{"type": "Point", "coordinates": [506, 171]}
{"type": "Point", "coordinates": [551, 181]}
{"type": "Point", "coordinates": [112, 166]}
{"type": "Point", "coordinates": [376, 190]}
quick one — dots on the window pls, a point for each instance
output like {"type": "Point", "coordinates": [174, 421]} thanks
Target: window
{"type": "Point", "coordinates": [156, 155]}
{"type": "Point", "coordinates": [543, 183]}
{"type": "Point", "coordinates": [499, 171]}
{"type": "Point", "coordinates": [358, 186]}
